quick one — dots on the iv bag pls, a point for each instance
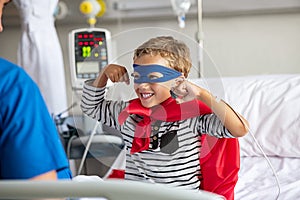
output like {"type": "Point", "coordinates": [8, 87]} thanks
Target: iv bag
{"type": "Point", "coordinates": [181, 7]}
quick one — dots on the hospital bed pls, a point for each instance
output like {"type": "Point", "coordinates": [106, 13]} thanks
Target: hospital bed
{"type": "Point", "coordinates": [97, 190]}
{"type": "Point", "coordinates": [271, 105]}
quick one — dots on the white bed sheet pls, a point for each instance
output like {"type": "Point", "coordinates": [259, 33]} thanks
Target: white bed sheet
{"type": "Point", "coordinates": [270, 103]}
{"type": "Point", "coordinates": [256, 179]}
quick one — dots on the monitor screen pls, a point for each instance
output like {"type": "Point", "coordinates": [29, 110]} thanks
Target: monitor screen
{"type": "Point", "coordinates": [87, 67]}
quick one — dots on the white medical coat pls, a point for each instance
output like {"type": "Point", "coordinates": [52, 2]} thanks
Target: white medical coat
{"type": "Point", "coordinates": [40, 53]}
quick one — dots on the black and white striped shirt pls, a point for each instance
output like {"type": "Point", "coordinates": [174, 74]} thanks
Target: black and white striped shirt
{"type": "Point", "coordinates": [173, 156]}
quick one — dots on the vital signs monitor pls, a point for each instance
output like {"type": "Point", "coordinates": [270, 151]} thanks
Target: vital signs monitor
{"type": "Point", "coordinates": [89, 50]}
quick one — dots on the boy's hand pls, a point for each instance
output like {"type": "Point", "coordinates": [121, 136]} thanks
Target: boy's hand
{"type": "Point", "coordinates": [116, 73]}
{"type": "Point", "coordinates": [184, 90]}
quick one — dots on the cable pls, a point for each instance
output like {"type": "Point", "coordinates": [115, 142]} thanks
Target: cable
{"type": "Point", "coordinates": [69, 145]}
{"type": "Point", "coordinates": [269, 163]}
{"type": "Point", "coordinates": [87, 148]}
{"type": "Point", "coordinates": [259, 147]}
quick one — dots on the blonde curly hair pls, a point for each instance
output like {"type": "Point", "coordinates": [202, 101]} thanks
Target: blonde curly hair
{"type": "Point", "coordinates": [175, 52]}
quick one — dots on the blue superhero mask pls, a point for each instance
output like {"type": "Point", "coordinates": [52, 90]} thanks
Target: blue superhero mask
{"type": "Point", "coordinates": [153, 73]}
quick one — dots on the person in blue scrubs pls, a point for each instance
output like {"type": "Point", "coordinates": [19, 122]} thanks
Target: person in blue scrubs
{"type": "Point", "coordinates": [30, 147]}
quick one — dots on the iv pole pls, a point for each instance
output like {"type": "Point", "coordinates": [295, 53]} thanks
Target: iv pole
{"type": "Point", "coordinates": [200, 39]}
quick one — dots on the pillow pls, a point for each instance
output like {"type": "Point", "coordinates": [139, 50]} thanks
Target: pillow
{"type": "Point", "coordinates": [270, 103]}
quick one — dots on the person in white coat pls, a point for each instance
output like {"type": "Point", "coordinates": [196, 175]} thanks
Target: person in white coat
{"type": "Point", "coordinates": [40, 52]}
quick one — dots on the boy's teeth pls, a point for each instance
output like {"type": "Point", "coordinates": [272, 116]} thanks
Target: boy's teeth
{"type": "Point", "coordinates": [146, 95]}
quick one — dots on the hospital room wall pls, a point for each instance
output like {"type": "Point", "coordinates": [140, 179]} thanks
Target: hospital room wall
{"type": "Point", "coordinates": [233, 46]}
{"type": "Point", "coordinates": [238, 45]}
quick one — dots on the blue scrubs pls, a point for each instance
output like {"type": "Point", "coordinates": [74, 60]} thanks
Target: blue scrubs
{"type": "Point", "coordinates": [29, 142]}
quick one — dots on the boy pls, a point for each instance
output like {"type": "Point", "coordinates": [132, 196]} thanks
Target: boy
{"type": "Point", "coordinates": [162, 134]}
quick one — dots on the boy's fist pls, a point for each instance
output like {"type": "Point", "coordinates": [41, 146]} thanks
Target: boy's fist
{"type": "Point", "coordinates": [184, 90]}
{"type": "Point", "coordinates": [116, 73]}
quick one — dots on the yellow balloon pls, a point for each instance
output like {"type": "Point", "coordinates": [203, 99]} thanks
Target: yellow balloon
{"type": "Point", "coordinates": [86, 7]}
{"type": "Point", "coordinates": [102, 8]}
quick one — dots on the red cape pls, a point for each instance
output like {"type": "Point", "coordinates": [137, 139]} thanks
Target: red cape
{"type": "Point", "coordinates": [220, 165]}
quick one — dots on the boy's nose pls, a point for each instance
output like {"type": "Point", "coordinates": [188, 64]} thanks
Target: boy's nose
{"type": "Point", "coordinates": [142, 85]}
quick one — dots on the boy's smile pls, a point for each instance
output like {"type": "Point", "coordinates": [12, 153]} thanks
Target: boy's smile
{"type": "Point", "coordinates": [152, 94]}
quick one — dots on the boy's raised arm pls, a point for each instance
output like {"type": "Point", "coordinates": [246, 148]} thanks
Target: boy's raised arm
{"type": "Point", "coordinates": [234, 122]}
